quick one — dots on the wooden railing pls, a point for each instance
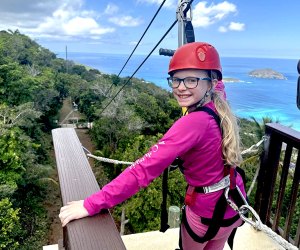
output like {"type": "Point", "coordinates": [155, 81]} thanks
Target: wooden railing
{"type": "Point", "coordinates": [77, 181]}
{"type": "Point", "coordinates": [282, 146]}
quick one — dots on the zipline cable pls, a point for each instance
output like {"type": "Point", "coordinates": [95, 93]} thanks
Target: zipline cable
{"type": "Point", "coordinates": [139, 41]}
{"type": "Point", "coordinates": [139, 66]}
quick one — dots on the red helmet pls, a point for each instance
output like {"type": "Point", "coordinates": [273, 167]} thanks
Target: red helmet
{"type": "Point", "coordinates": [196, 55]}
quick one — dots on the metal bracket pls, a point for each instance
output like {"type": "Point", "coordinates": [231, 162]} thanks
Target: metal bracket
{"type": "Point", "coordinates": [185, 27]}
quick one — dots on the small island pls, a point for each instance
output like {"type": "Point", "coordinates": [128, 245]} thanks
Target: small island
{"type": "Point", "coordinates": [267, 74]}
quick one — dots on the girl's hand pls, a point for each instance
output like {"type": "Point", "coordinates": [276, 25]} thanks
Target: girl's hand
{"type": "Point", "coordinates": [72, 211]}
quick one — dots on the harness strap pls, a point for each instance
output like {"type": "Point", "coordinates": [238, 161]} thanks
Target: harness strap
{"type": "Point", "coordinates": [222, 184]}
{"type": "Point", "coordinates": [214, 226]}
{"type": "Point", "coordinates": [212, 113]}
{"type": "Point", "coordinates": [164, 213]}
{"type": "Point", "coordinates": [224, 223]}
{"type": "Point", "coordinates": [231, 238]}
{"type": "Point", "coordinates": [217, 219]}
{"type": "Point", "coordinates": [232, 174]}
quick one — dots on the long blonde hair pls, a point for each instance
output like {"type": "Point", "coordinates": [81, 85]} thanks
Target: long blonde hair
{"type": "Point", "coordinates": [230, 129]}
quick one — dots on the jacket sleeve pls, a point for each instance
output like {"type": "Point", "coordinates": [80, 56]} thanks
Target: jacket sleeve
{"type": "Point", "coordinates": [182, 136]}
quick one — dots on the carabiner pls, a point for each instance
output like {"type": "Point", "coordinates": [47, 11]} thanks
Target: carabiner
{"type": "Point", "coordinates": [257, 224]}
{"type": "Point", "coordinates": [231, 203]}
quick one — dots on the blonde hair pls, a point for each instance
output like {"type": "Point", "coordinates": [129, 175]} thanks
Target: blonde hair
{"type": "Point", "coordinates": [230, 129]}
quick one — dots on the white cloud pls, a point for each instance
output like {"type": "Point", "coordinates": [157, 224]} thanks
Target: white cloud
{"type": "Point", "coordinates": [236, 26]}
{"type": "Point", "coordinates": [111, 9]}
{"type": "Point", "coordinates": [52, 19]}
{"type": "Point", "coordinates": [125, 21]}
{"type": "Point", "coordinates": [232, 26]}
{"type": "Point", "coordinates": [83, 26]}
{"type": "Point", "coordinates": [222, 29]}
{"type": "Point", "coordinates": [204, 16]}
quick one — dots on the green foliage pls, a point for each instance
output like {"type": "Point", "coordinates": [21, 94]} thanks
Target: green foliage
{"type": "Point", "coordinates": [115, 80]}
{"type": "Point", "coordinates": [149, 110]}
{"type": "Point", "coordinates": [143, 209]}
{"type": "Point", "coordinates": [286, 202]}
{"type": "Point", "coordinates": [77, 70]}
{"type": "Point", "coordinates": [89, 102]}
{"type": "Point", "coordinates": [22, 49]}
{"type": "Point", "coordinates": [13, 161]}
{"type": "Point", "coordinates": [9, 225]}
{"type": "Point", "coordinates": [29, 101]}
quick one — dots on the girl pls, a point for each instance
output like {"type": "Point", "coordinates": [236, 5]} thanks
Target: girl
{"type": "Point", "coordinates": [206, 142]}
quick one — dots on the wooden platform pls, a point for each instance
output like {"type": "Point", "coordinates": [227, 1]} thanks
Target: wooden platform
{"type": "Point", "coordinates": [246, 239]}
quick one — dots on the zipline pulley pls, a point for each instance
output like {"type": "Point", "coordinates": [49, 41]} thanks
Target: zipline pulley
{"type": "Point", "coordinates": [185, 27]}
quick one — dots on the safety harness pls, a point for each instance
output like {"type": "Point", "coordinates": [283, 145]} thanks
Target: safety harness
{"type": "Point", "coordinates": [228, 184]}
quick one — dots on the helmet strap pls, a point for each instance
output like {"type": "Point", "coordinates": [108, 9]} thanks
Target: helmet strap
{"type": "Point", "coordinates": [203, 99]}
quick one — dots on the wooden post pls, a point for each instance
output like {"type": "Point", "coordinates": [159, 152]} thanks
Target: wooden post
{"type": "Point", "coordinates": [123, 222]}
{"type": "Point", "coordinates": [174, 216]}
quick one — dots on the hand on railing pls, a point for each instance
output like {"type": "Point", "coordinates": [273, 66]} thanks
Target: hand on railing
{"type": "Point", "coordinates": [72, 211]}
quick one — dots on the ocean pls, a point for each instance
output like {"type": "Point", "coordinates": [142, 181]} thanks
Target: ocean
{"type": "Point", "coordinates": [252, 97]}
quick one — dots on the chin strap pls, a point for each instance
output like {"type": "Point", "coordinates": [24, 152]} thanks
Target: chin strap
{"type": "Point", "coordinates": [199, 103]}
{"type": "Point", "coordinates": [203, 99]}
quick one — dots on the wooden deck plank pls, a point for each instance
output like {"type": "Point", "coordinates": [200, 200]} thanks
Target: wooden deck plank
{"type": "Point", "coordinates": [77, 181]}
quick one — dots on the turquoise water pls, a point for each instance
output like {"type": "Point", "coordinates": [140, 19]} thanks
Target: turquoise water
{"type": "Point", "coordinates": [251, 97]}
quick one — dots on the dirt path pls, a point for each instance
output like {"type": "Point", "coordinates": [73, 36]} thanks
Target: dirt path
{"type": "Point", "coordinates": [65, 110]}
{"type": "Point", "coordinates": [68, 112]}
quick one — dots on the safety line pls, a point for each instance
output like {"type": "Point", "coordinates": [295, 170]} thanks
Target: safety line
{"type": "Point", "coordinates": [139, 66]}
{"type": "Point", "coordinates": [89, 154]}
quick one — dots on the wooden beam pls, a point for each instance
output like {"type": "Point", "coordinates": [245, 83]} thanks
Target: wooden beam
{"type": "Point", "coordinates": [77, 181]}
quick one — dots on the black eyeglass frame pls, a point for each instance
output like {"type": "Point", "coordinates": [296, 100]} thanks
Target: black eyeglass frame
{"type": "Point", "coordinates": [170, 81]}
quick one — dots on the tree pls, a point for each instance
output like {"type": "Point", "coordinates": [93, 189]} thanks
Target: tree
{"type": "Point", "coordinates": [9, 225]}
{"type": "Point", "coordinates": [22, 115]}
{"type": "Point", "coordinates": [157, 120]}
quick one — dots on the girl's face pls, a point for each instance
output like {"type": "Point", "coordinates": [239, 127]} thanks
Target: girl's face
{"type": "Point", "coordinates": [187, 97]}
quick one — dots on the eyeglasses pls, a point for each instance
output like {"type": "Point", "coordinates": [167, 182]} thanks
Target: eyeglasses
{"type": "Point", "coordinates": [189, 82]}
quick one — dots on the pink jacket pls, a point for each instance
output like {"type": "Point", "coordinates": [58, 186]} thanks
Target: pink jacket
{"type": "Point", "coordinates": [196, 139]}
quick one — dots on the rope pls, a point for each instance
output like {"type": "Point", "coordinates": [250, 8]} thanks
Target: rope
{"type": "Point", "coordinates": [251, 149]}
{"type": "Point", "coordinates": [89, 154]}
{"type": "Point", "coordinates": [253, 182]}
{"type": "Point", "coordinates": [258, 225]}
{"type": "Point", "coordinates": [109, 160]}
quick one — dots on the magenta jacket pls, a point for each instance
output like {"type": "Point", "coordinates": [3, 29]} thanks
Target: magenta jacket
{"type": "Point", "coordinates": [196, 139]}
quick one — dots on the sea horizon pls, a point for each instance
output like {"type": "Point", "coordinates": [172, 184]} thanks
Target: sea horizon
{"type": "Point", "coordinates": [252, 97]}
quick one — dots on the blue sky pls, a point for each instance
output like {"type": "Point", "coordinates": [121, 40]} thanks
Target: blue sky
{"type": "Point", "coordinates": [253, 28]}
